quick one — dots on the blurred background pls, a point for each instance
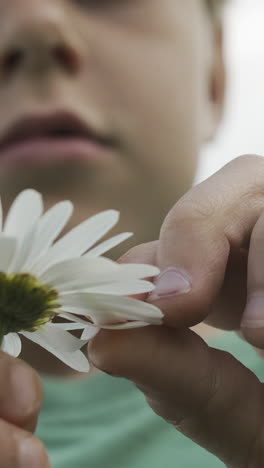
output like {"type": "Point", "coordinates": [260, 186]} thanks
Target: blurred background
{"type": "Point", "coordinates": [242, 130]}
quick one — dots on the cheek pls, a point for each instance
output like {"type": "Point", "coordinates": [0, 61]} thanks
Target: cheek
{"type": "Point", "coordinates": [163, 127]}
{"type": "Point", "coordinates": [157, 107]}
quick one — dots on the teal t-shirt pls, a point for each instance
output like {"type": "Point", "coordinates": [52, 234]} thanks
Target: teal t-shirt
{"type": "Point", "coordinates": [105, 422]}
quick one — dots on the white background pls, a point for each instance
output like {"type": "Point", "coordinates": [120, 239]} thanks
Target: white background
{"type": "Point", "coordinates": [242, 130]}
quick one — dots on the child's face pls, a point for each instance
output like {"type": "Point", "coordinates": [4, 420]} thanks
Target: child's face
{"type": "Point", "coordinates": [141, 71]}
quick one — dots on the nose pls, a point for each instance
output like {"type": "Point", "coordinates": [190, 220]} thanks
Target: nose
{"type": "Point", "coordinates": [36, 37]}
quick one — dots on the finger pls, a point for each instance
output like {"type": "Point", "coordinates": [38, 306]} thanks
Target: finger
{"type": "Point", "coordinates": [19, 449]}
{"type": "Point", "coordinates": [199, 236]}
{"type": "Point", "coordinates": [203, 392]}
{"type": "Point", "coordinates": [232, 294]}
{"type": "Point", "coordinates": [20, 392]}
{"type": "Point", "coordinates": [253, 318]}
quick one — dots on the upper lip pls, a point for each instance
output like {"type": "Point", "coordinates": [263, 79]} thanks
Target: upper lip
{"type": "Point", "coordinates": [50, 125]}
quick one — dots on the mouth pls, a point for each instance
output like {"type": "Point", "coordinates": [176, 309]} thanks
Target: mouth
{"type": "Point", "coordinates": [41, 139]}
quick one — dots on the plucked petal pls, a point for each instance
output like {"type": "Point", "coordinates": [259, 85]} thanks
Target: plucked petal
{"type": "Point", "coordinates": [24, 212]}
{"type": "Point", "coordinates": [47, 229]}
{"type": "Point", "coordinates": [8, 246]}
{"type": "Point", "coordinates": [105, 308]}
{"type": "Point", "coordinates": [109, 244]}
{"type": "Point", "coordinates": [11, 344]}
{"type": "Point", "coordinates": [126, 325]}
{"type": "Point", "coordinates": [70, 326]}
{"type": "Point", "coordinates": [81, 238]}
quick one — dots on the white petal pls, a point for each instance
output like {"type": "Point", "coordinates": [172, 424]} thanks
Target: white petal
{"type": "Point", "coordinates": [51, 336]}
{"type": "Point", "coordinates": [102, 320]}
{"type": "Point", "coordinates": [73, 318]}
{"type": "Point", "coordinates": [8, 247]}
{"type": "Point", "coordinates": [76, 359]}
{"type": "Point", "coordinates": [105, 308]}
{"type": "Point", "coordinates": [11, 344]}
{"type": "Point", "coordinates": [79, 270]}
{"type": "Point", "coordinates": [24, 212]}
{"type": "Point", "coordinates": [138, 270]}
{"type": "Point", "coordinates": [108, 244]}
{"type": "Point", "coordinates": [126, 325]}
{"type": "Point", "coordinates": [97, 271]}
{"type": "Point", "coordinates": [22, 252]}
{"type": "Point", "coordinates": [48, 228]}
{"type": "Point", "coordinates": [81, 238]}
{"type": "Point", "coordinates": [89, 333]}
{"type": "Point", "coordinates": [98, 317]}
{"type": "Point", "coordinates": [122, 289]}
{"type": "Point", "coordinates": [82, 273]}
{"type": "Point", "coordinates": [70, 326]}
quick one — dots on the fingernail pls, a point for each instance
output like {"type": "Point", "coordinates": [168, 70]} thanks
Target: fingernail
{"type": "Point", "coordinates": [24, 389]}
{"type": "Point", "coordinates": [31, 453]}
{"type": "Point", "coordinates": [253, 316]}
{"type": "Point", "coordinates": [171, 282]}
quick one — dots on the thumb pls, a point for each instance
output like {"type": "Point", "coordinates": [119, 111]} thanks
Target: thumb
{"type": "Point", "coordinates": [202, 391]}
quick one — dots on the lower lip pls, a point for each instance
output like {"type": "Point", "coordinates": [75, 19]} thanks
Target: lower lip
{"type": "Point", "coordinates": [41, 151]}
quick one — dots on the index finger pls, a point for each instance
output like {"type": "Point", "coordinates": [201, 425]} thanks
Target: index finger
{"type": "Point", "coordinates": [197, 237]}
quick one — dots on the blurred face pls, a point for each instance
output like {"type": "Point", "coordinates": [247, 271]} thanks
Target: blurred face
{"type": "Point", "coordinates": [105, 103]}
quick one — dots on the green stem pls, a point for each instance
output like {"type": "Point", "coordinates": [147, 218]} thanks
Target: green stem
{"type": "Point", "coordinates": [2, 333]}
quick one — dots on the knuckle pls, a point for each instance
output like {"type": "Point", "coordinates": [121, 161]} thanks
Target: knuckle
{"type": "Point", "coordinates": [248, 159]}
{"type": "Point", "coordinates": [191, 210]}
{"type": "Point", "coordinates": [253, 166]}
{"type": "Point", "coordinates": [140, 253]}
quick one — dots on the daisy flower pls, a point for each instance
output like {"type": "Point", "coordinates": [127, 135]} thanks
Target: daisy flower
{"type": "Point", "coordinates": [42, 278]}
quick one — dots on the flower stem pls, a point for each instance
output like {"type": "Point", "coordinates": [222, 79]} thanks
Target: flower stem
{"type": "Point", "coordinates": [2, 333]}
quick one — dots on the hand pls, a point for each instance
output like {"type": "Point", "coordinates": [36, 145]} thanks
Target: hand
{"type": "Point", "coordinates": [20, 401]}
{"type": "Point", "coordinates": [211, 256]}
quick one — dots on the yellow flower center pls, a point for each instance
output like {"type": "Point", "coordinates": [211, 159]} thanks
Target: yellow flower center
{"type": "Point", "coordinates": [25, 304]}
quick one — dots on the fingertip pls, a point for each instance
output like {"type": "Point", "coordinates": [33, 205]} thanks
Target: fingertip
{"type": "Point", "coordinates": [102, 350]}
{"type": "Point", "coordinates": [254, 336]}
{"type": "Point", "coordinates": [128, 353]}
